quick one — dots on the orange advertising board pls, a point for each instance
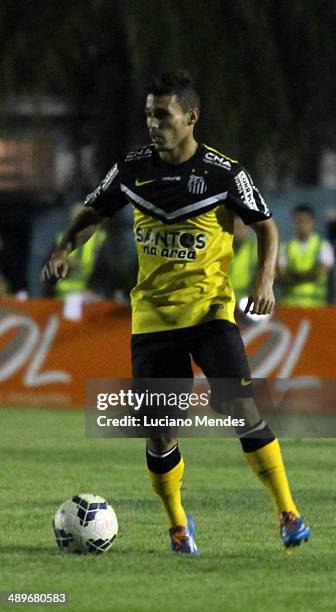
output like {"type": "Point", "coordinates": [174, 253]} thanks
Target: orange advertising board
{"type": "Point", "coordinates": [45, 359]}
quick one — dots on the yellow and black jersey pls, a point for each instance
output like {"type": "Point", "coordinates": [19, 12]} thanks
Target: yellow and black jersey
{"type": "Point", "coordinates": [183, 228]}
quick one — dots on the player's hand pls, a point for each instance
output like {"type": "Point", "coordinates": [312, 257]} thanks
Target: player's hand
{"type": "Point", "coordinates": [261, 300]}
{"type": "Point", "coordinates": [56, 268]}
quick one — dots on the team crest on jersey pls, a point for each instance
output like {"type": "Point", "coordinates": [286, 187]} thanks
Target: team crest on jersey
{"type": "Point", "coordinates": [196, 184]}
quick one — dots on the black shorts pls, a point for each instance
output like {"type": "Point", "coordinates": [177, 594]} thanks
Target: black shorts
{"type": "Point", "coordinates": [216, 347]}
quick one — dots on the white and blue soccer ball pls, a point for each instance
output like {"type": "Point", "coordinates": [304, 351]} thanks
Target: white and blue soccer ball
{"type": "Point", "coordinates": [85, 524]}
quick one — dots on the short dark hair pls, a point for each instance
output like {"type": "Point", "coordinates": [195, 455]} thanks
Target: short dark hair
{"type": "Point", "coordinates": [179, 83]}
{"type": "Point", "coordinates": [304, 207]}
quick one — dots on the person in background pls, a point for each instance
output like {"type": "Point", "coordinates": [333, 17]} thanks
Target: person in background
{"type": "Point", "coordinates": [304, 263]}
{"type": "Point", "coordinates": [82, 262]}
{"type": "Point", "coordinates": [331, 233]}
{"type": "Point", "coordinates": [244, 263]}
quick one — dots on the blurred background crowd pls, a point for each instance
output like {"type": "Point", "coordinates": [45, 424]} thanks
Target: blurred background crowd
{"type": "Point", "coordinates": [72, 102]}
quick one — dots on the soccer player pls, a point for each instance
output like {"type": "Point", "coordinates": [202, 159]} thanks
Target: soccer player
{"type": "Point", "coordinates": [185, 195]}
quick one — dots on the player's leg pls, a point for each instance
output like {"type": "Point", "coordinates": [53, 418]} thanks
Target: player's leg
{"type": "Point", "coordinates": [221, 353]}
{"type": "Point", "coordinates": [166, 468]}
{"type": "Point", "coordinates": [162, 356]}
{"type": "Point", "coordinates": [263, 454]}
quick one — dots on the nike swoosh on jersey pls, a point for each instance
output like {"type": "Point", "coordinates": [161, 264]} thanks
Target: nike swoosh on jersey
{"type": "Point", "coordinates": [244, 382]}
{"type": "Point", "coordinates": [138, 183]}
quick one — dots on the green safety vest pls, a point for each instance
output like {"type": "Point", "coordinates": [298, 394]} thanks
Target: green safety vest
{"type": "Point", "coordinates": [77, 279]}
{"type": "Point", "coordinates": [307, 294]}
{"type": "Point", "coordinates": [243, 267]}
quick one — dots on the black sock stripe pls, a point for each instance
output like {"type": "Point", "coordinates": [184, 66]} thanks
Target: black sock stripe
{"type": "Point", "coordinates": [255, 428]}
{"type": "Point", "coordinates": [160, 455]}
{"type": "Point", "coordinates": [256, 439]}
{"type": "Point", "coordinates": [163, 463]}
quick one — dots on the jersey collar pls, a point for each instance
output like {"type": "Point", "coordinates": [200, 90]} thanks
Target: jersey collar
{"type": "Point", "coordinates": [198, 154]}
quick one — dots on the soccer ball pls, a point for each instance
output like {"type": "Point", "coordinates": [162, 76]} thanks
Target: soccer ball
{"type": "Point", "coordinates": [85, 524]}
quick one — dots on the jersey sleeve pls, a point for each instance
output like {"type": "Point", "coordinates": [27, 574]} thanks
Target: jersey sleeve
{"type": "Point", "coordinates": [108, 198]}
{"type": "Point", "coordinates": [245, 199]}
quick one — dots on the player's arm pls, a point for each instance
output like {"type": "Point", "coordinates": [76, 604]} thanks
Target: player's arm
{"type": "Point", "coordinates": [103, 202]}
{"type": "Point", "coordinates": [261, 299]}
{"type": "Point", "coordinates": [79, 232]}
{"type": "Point", "coordinates": [246, 201]}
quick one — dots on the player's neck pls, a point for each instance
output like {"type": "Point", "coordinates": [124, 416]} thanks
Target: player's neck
{"type": "Point", "coordinates": [303, 238]}
{"type": "Point", "coordinates": [182, 153]}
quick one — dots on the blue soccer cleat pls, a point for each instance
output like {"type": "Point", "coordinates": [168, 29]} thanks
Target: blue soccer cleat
{"type": "Point", "coordinates": [182, 538]}
{"type": "Point", "coordinates": [293, 530]}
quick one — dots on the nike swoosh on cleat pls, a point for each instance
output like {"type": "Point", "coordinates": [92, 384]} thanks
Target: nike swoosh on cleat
{"type": "Point", "coordinates": [139, 183]}
{"type": "Point", "coordinates": [244, 382]}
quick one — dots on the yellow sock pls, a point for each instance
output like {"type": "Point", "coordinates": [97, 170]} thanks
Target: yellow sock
{"type": "Point", "coordinates": [168, 487]}
{"type": "Point", "coordinates": [267, 463]}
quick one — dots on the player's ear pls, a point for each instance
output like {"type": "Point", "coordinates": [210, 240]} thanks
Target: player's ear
{"type": "Point", "coordinates": [193, 116]}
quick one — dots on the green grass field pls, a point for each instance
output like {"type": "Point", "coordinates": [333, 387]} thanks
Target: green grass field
{"type": "Point", "coordinates": [45, 458]}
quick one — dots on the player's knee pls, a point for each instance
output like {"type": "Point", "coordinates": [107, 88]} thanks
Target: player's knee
{"type": "Point", "coordinates": [243, 408]}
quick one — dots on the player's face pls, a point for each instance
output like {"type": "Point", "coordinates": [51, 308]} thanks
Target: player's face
{"type": "Point", "coordinates": [304, 225]}
{"type": "Point", "coordinates": [168, 124]}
